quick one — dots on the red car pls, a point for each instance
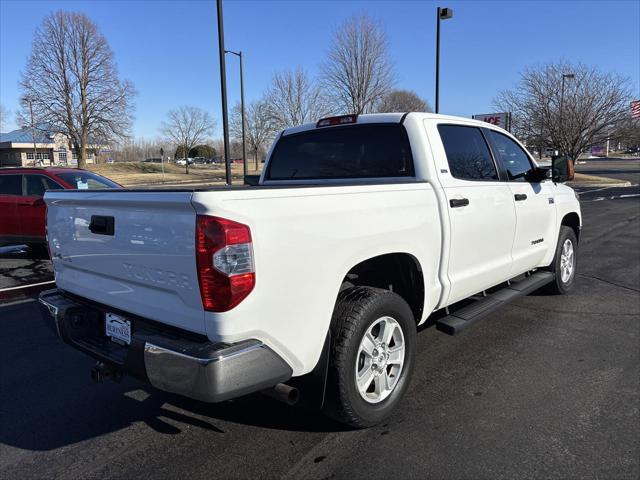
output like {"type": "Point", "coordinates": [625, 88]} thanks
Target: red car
{"type": "Point", "coordinates": [22, 209]}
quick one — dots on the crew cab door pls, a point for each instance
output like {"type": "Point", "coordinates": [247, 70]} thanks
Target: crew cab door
{"type": "Point", "coordinates": [534, 203]}
{"type": "Point", "coordinates": [480, 211]}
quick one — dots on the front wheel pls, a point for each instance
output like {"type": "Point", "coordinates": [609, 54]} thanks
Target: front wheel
{"type": "Point", "coordinates": [565, 262]}
{"type": "Point", "coordinates": [372, 355]}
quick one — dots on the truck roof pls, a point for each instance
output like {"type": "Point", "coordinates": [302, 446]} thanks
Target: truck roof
{"type": "Point", "coordinates": [388, 118]}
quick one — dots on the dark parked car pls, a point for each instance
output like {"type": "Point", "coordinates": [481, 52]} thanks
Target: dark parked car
{"type": "Point", "coordinates": [22, 209]}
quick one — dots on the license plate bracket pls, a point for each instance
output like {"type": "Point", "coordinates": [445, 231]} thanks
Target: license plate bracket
{"type": "Point", "coordinates": [117, 328]}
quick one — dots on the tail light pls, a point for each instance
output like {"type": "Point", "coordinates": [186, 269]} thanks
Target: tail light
{"type": "Point", "coordinates": [224, 257]}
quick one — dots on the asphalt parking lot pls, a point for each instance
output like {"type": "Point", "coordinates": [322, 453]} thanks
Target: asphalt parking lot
{"type": "Point", "coordinates": [549, 387]}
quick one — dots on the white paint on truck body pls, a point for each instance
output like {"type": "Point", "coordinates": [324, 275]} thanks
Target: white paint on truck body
{"type": "Point", "coordinates": [305, 240]}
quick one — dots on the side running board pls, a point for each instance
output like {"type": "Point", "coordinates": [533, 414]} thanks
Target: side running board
{"type": "Point", "coordinates": [459, 320]}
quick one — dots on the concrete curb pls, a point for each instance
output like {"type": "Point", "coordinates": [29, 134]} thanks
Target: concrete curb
{"type": "Point", "coordinates": [595, 184]}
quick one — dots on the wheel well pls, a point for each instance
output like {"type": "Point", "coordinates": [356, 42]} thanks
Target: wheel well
{"type": "Point", "coordinates": [572, 220]}
{"type": "Point", "coordinates": [398, 272]}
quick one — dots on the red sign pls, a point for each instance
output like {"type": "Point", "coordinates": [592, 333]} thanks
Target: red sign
{"type": "Point", "coordinates": [498, 119]}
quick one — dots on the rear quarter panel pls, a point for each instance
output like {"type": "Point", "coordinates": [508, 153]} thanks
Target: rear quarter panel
{"type": "Point", "coordinates": [305, 240]}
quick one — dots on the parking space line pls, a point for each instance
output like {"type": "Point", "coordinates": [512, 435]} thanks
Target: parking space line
{"type": "Point", "coordinates": [9, 289]}
{"type": "Point", "coordinates": [613, 197]}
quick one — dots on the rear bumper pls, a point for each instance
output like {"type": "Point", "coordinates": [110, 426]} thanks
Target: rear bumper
{"type": "Point", "coordinates": [169, 359]}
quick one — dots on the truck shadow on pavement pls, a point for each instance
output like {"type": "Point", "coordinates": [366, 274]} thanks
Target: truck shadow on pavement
{"type": "Point", "coordinates": [48, 401]}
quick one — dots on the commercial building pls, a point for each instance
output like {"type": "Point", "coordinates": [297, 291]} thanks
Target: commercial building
{"type": "Point", "coordinates": [18, 148]}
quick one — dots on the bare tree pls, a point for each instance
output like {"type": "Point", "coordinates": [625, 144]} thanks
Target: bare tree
{"type": "Point", "coordinates": [259, 127]}
{"type": "Point", "coordinates": [72, 82]}
{"type": "Point", "coordinates": [627, 133]}
{"type": "Point", "coordinates": [140, 148]}
{"type": "Point", "coordinates": [584, 113]}
{"type": "Point", "coordinates": [358, 71]}
{"type": "Point", "coordinates": [4, 115]}
{"type": "Point", "coordinates": [186, 127]}
{"type": "Point", "coordinates": [293, 99]}
{"type": "Point", "coordinates": [402, 101]}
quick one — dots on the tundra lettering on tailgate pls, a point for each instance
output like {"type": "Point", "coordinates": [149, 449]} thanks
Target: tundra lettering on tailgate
{"type": "Point", "coordinates": [157, 276]}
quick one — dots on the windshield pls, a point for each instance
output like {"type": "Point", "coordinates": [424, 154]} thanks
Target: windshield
{"type": "Point", "coordinates": [356, 151]}
{"type": "Point", "coordinates": [87, 180]}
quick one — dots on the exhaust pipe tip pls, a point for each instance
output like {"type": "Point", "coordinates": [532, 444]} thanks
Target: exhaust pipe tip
{"type": "Point", "coordinates": [284, 393]}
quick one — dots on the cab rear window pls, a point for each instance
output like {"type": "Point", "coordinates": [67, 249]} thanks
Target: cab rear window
{"type": "Point", "coordinates": [355, 151]}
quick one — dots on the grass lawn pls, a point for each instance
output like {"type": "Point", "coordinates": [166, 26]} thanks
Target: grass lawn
{"type": "Point", "coordinates": [137, 173]}
{"type": "Point", "coordinates": [582, 178]}
{"type": "Point", "coordinates": [130, 174]}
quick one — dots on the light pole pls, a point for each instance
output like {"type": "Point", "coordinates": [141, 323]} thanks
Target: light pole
{"type": "Point", "coordinates": [443, 14]}
{"type": "Point", "coordinates": [223, 88]}
{"type": "Point", "coordinates": [33, 132]}
{"type": "Point", "coordinates": [244, 148]}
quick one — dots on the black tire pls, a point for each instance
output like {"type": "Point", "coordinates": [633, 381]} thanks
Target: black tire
{"type": "Point", "coordinates": [357, 309]}
{"type": "Point", "coordinates": [558, 286]}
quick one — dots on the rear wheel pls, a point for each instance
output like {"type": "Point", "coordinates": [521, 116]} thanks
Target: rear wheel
{"type": "Point", "coordinates": [372, 355]}
{"type": "Point", "coordinates": [565, 262]}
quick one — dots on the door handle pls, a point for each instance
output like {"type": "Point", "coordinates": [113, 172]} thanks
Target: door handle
{"type": "Point", "coordinates": [458, 202]}
{"type": "Point", "coordinates": [520, 197]}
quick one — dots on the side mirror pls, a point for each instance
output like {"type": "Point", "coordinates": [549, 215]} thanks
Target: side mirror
{"type": "Point", "coordinates": [538, 174]}
{"type": "Point", "coordinates": [562, 169]}
{"type": "Point", "coordinates": [252, 180]}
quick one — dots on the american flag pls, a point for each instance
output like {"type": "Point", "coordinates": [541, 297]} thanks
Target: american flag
{"type": "Point", "coordinates": [635, 109]}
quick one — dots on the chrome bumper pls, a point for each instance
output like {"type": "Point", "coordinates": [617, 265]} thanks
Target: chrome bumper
{"type": "Point", "coordinates": [234, 371]}
{"type": "Point", "coordinates": [202, 370]}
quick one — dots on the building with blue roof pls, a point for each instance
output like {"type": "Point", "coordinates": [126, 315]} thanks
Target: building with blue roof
{"type": "Point", "coordinates": [41, 146]}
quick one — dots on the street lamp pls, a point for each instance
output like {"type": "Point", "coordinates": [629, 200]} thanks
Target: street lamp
{"type": "Point", "coordinates": [244, 148]}
{"type": "Point", "coordinates": [29, 101]}
{"type": "Point", "coordinates": [443, 14]}
{"type": "Point", "coordinates": [223, 88]}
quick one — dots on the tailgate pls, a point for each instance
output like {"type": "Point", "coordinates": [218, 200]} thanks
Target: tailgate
{"type": "Point", "coordinates": [138, 255]}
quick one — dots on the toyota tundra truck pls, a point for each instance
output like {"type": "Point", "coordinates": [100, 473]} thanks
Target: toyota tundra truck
{"type": "Point", "coordinates": [309, 284]}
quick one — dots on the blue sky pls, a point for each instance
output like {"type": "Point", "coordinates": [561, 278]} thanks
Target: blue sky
{"type": "Point", "coordinates": [168, 49]}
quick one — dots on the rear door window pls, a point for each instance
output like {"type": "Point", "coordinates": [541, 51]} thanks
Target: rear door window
{"type": "Point", "coordinates": [10, 184]}
{"type": "Point", "coordinates": [36, 185]}
{"type": "Point", "coordinates": [52, 184]}
{"type": "Point", "coordinates": [356, 151]}
{"type": "Point", "coordinates": [467, 152]}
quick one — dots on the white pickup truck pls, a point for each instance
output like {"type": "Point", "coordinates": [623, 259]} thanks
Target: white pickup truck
{"type": "Point", "coordinates": [310, 284]}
